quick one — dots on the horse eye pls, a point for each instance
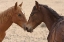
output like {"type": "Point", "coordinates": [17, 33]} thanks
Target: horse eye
{"type": "Point", "coordinates": [19, 14]}
{"type": "Point", "coordinates": [32, 13]}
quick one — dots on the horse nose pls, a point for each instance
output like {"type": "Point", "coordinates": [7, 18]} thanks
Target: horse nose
{"type": "Point", "coordinates": [28, 30]}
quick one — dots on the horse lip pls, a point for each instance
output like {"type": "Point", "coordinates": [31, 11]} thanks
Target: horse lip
{"type": "Point", "coordinates": [30, 31]}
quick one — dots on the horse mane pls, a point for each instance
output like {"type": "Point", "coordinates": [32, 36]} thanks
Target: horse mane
{"type": "Point", "coordinates": [53, 12]}
{"type": "Point", "coordinates": [5, 15]}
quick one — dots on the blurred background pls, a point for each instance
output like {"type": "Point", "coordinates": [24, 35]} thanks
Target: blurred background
{"type": "Point", "coordinates": [16, 33]}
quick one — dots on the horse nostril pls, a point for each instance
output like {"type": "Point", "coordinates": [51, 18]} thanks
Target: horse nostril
{"type": "Point", "coordinates": [26, 28]}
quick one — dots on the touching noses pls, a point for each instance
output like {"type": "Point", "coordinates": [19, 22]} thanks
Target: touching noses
{"type": "Point", "coordinates": [28, 30]}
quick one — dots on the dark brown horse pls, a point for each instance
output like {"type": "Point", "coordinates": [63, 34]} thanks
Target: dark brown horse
{"type": "Point", "coordinates": [9, 16]}
{"type": "Point", "coordinates": [53, 21]}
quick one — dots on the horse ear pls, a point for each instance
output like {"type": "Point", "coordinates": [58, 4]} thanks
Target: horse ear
{"type": "Point", "coordinates": [21, 4]}
{"type": "Point", "coordinates": [37, 5]}
{"type": "Point", "coordinates": [15, 5]}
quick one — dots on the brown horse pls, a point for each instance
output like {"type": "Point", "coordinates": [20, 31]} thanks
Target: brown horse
{"type": "Point", "coordinates": [9, 16]}
{"type": "Point", "coordinates": [53, 21]}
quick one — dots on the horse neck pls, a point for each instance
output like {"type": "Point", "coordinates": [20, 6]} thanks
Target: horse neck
{"type": "Point", "coordinates": [48, 21]}
{"type": "Point", "coordinates": [5, 20]}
